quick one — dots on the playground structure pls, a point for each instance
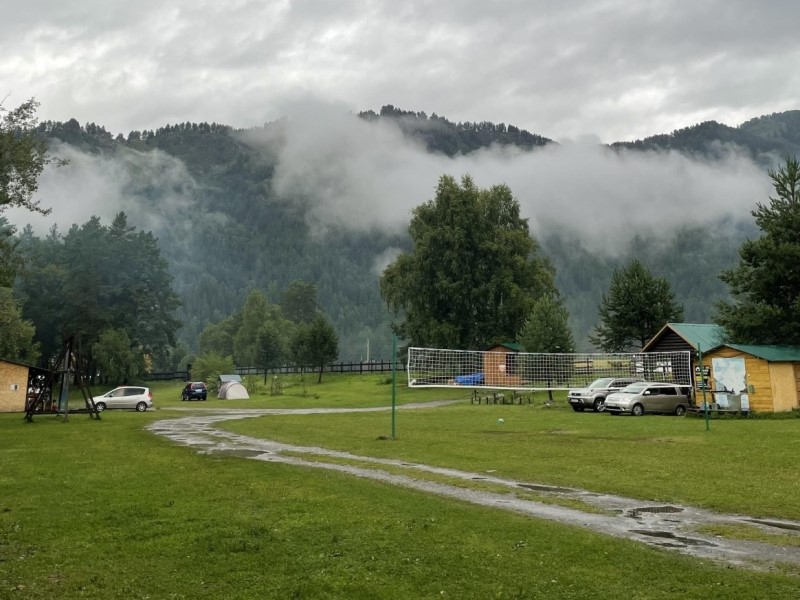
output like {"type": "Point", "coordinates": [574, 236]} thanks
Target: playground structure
{"type": "Point", "coordinates": [66, 365]}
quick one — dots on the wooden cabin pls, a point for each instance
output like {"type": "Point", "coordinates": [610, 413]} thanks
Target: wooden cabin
{"type": "Point", "coordinates": [754, 378]}
{"type": "Point", "coordinates": [678, 337]}
{"type": "Point", "coordinates": [697, 338]}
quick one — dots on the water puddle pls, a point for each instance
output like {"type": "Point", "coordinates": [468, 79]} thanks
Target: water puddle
{"type": "Point", "coordinates": [685, 541]}
{"type": "Point", "coordinates": [544, 488]}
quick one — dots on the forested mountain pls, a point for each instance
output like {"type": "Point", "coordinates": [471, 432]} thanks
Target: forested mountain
{"type": "Point", "coordinates": [764, 138]}
{"type": "Point", "coordinates": [232, 233]}
{"type": "Point", "coordinates": [440, 135]}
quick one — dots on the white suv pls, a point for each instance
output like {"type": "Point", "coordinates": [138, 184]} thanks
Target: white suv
{"type": "Point", "coordinates": [594, 395]}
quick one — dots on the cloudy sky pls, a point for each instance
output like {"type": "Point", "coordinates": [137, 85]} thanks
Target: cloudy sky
{"type": "Point", "coordinates": [614, 69]}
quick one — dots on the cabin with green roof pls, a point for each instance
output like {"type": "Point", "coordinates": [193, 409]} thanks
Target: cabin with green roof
{"type": "Point", "coordinates": [735, 377]}
{"type": "Point", "coordinates": [754, 378]}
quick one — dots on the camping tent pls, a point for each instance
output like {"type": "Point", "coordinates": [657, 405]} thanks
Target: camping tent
{"type": "Point", "coordinates": [232, 390]}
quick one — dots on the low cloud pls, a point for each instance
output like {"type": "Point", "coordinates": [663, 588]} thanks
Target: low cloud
{"type": "Point", "coordinates": [152, 188]}
{"type": "Point", "coordinates": [363, 175]}
{"type": "Point", "coordinates": [347, 172]}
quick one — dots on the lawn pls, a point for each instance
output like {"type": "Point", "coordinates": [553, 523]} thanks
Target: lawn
{"type": "Point", "coordinates": [104, 509]}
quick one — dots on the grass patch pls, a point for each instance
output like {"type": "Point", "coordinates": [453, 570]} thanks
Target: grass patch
{"type": "Point", "coordinates": [104, 509]}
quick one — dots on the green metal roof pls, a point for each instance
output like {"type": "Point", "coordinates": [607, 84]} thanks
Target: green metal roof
{"type": "Point", "coordinates": [702, 336]}
{"type": "Point", "coordinates": [768, 353]}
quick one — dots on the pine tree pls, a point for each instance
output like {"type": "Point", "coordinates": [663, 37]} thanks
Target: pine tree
{"type": "Point", "coordinates": [766, 284]}
{"type": "Point", "coordinates": [636, 306]}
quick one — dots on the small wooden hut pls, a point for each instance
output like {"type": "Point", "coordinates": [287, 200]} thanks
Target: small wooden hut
{"type": "Point", "coordinates": [754, 378]}
{"type": "Point", "coordinates": [500, 366]}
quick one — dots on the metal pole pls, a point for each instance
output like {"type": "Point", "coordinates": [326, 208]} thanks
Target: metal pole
{"type": "Point", "coordinates": [394, 386]}
{"type": "Point", "coordinates": [703, 383]}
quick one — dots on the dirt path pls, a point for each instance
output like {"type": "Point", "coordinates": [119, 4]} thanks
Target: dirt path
{"type": "Point", "coordinates": [665, 526]}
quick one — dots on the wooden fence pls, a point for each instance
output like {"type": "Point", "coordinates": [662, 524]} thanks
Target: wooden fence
{"type": "Point", "coordinates": [377, 366]}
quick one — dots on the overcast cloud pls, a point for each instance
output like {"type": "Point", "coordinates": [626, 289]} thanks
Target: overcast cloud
{"type": "Point", "coordinates": [616, 69]}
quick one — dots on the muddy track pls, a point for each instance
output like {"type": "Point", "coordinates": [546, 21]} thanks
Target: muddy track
{"type": "Point", "coordinates": [670, 527]}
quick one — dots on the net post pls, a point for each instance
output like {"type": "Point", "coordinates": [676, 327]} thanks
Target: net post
{"type": "Point", "coordinates": [394, 385]}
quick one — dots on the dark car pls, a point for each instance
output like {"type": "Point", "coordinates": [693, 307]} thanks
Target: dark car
{"type": "Point", "coordinates": [195, 390]}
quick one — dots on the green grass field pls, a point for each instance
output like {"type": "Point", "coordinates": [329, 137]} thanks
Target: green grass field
{"type": "Point", "coordinates": [105, 509]}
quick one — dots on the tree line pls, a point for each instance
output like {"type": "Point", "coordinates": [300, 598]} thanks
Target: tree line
{"type": "Point", "coordinates": [471, 272]}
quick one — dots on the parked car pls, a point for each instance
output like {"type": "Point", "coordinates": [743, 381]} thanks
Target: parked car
{"type": "Point", "coordinates": [595, 394]}
{"type": "Point", "coordinates": [195, 390]}
{"type": "Point", "coordinates": [648, 397]}
{"type": "Point", "coordinates": [128, 396]}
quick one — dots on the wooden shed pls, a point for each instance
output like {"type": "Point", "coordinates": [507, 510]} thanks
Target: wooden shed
{"type": "Point", "coordinates": [18, 382]}
{"type": "Point", "coordinates": [500, 365]}
{"type": "Point", "coordinates": [755, 378]}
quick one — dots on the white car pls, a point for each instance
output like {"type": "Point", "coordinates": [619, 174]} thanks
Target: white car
{"type": "Point", "coordinates": [127, 396]}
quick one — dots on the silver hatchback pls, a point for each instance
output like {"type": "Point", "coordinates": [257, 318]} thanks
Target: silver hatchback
{"type": "Point", "coordinates": [644, 396]}
{"type": "Point", "coordinates": [127, 396]}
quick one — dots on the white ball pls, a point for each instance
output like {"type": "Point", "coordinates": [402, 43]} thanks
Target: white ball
{"type": "Point", "coordinates": [500, 421]}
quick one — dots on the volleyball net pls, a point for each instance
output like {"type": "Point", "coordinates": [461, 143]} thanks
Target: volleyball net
{"type": "Point", "coordinates": [436, 367]}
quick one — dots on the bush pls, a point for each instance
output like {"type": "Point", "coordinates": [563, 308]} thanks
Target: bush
{"type": "Point", "coordinates": [209, 367]}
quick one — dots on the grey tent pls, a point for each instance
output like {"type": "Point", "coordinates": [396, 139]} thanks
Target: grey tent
{"type": "Point", "coordinates": [232, 390]}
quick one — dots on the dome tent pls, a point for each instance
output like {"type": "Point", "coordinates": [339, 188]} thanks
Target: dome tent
{"type": "Point", "coordinates": [232, 390]}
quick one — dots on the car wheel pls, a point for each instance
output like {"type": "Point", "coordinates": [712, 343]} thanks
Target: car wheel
{"type": "Point", "coordinates": [599, 405]}
{"type": "Point", "coordinates": [637, 410]}
{"type": "Point", "coordinates": [141, 407]}
{"type": "Point", "coordinates": [183, 398]}
{"type": "Point", "coordinates": [680, 410]}
{"type": "Point", "coordinates": [100, 406]}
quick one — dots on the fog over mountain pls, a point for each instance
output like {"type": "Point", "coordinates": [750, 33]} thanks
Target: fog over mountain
{"type": "Point", "coordinates": [353, 183]}
{"type": "Point", "coordinates": [361, 175]}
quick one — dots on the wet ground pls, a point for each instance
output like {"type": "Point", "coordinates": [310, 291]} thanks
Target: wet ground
{"type": "Point", "coordinates": [671, 527]}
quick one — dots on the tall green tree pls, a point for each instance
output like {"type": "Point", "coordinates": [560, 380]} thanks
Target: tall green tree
{"type": "Point", "coordinates": [10, 258]}
{"type": "Point", "coordinates": [16, 334]}
{"type": "Point", "coordinates": [473, 274]}
{"type": "Point", "coordinates": [115, 357]}
{"type": "Point", "coordinates": [321, 343]}
{"type": "Point", "coordinates": [255, 313]}
{"type": "Point", "coordinates": [299, 302]}
{"type": "Point", "coordinates": [547, 328]}
{"type": "Point", "coordinates": [635, 307]}
{"type": "Point", "coordinates": [766, 283]}
{"type": "Point", "coordinates": [23, 156]}
{"type": "Point", "coordinates": [218, 337]}
{"type": "Point", "coordinates": [97, 278]}
{"type": "Point", "coordinates": [271, 347]}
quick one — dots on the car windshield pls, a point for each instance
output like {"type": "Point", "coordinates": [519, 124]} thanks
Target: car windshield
{"type": "Point", "coordinates": [634, 388]}
{"type": "Point", "coordinates": [602, 382]}
{"type": "Point", "coordinates": [198, 386]}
